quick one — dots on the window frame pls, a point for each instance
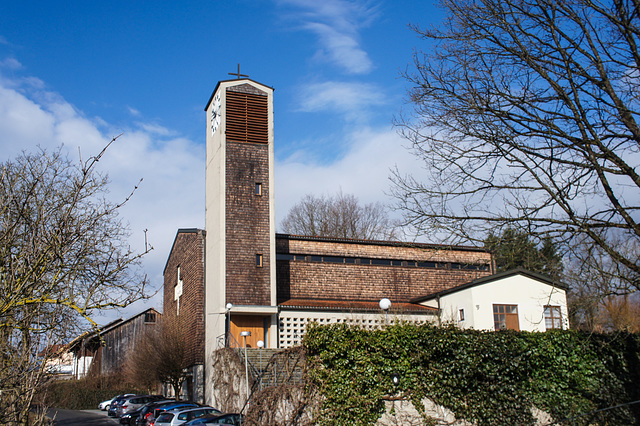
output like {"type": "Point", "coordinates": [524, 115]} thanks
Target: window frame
{"type": "Point", "coordinates": [505, 317]}
{"type": "Point", "coordinates": [554, 319]}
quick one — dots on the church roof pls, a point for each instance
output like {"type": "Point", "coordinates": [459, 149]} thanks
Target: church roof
{"type": "Point", "coordinates": [181, 231]}
{"type": "Point", "coordinates": [353, 305]}
{"type": "Point", "coordinates": [240, 80]}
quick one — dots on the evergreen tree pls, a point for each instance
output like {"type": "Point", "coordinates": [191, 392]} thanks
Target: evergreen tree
{"type": "Point", "coordinates": [515, 249]}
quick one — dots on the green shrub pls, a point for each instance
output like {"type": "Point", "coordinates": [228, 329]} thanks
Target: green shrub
{"type": "Point", "coordinates": [85, 394]}
{"type": "Point", "coordinates": [489, 378]}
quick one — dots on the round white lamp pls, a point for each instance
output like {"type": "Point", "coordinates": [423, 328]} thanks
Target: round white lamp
{"type": "Point", "coordinates": [228, 325]}
{"type": "Point", "coordinates": [385, 304]}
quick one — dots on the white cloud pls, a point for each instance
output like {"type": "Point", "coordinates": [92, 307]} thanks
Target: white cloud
{"type": "Point", "coordinates": [336, 24]}
{"type": "Point", "coordinates": [10, 63]}
{"type": "Point", "coordinates": [155, 129]}
{"type": "Point", "coordinates": [170, 196]}
{"type": "Point", "coordinates": [352, 99]}
{"type": "Point", "coordinates": [134, 112]}
{"type": "Point", "coordinates": [363, 171]}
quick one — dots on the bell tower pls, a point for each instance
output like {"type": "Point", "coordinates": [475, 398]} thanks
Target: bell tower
{"type": "Point", "coordinates": [239, 218]}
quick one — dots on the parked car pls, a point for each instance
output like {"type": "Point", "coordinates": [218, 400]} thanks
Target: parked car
{"type": "Point", "coordinates": [134, 402]}
{"type": "Point", "coordinates": [179, 416]}
{"type": "Point", "coordinates": [111, 412]}
{"type": "Point", "coordinates": [137, 416]}
{"type": "Point", "coordinates": [129, 419]}
{"type": "Point", "coordinates": [147, 415]}
{"type": "Point", "coordinates": [229, 419]}
{"type": "Point", "coordinates": [176, 404]}
{"type": "Point", "coordinates": [104, 405]}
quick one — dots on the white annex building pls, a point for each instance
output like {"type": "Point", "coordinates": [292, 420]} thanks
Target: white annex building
{"type": "Point", "coordinates": [517, 300]}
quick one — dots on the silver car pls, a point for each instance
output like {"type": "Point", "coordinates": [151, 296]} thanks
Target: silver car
{"type": "Point", "coordinates": [134, 402]}
{"type": "Point", "coordinates": [183, 415]}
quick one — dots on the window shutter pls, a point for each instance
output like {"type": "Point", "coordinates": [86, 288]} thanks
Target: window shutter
{"type": "Point", "coordinates": [247, 118]}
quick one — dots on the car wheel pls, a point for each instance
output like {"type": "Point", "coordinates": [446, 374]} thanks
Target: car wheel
{"type": "Point", "coordinates": [106, 408]}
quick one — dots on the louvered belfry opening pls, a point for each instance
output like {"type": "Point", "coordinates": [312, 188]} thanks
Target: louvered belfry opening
{"type": "Point", "coordinates": [247, 118]}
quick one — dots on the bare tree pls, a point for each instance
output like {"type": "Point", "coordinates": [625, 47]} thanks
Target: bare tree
{"type": "Point", "coordinates": [162, 355]}
{"type": "Point", "coordinates": [526, 115]}
{"type": "Point", "coordinates": [339, 216]}
{"type": "Point", "coordinates": [63, 255]}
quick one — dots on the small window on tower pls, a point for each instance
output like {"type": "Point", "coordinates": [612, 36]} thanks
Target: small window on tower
{"type": "Point", "coordinates": [259, 260]}
{"type": "Point", "coordinates": [258, 189]}
{"type": "Point", "coordinates": [461, 315]}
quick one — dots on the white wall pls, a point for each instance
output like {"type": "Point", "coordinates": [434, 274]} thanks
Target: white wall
{"type": "Point", "coordinates": [529, 294]}
{"type": "Point", "coordinates": [293, 323]}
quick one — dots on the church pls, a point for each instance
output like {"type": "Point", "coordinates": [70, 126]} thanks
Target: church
{"type": "Point", "coordinates": [239, 282]}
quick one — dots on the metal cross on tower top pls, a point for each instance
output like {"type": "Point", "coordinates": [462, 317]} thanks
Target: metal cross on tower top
{"type": "Point", "coordinates": [237, 74]}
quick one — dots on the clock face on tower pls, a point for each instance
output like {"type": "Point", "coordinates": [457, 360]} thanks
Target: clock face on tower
{"type": "Point", "coordinates": [215, 114]}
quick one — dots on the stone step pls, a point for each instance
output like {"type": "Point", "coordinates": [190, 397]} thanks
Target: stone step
{"type": "Point", "coordinates": [272, 374]}
{"type": "Point", "coordinates": [259, 358]}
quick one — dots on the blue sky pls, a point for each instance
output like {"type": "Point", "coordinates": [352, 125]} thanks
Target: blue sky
{"type": "Point", "coordinates": [78, 73]}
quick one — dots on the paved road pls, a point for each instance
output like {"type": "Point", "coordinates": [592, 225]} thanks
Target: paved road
{"type": "Point", "coordinates": [81, 417]}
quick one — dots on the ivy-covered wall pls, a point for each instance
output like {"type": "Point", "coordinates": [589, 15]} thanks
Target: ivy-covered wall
{"type": "Point", "coordinates": [488, 378]}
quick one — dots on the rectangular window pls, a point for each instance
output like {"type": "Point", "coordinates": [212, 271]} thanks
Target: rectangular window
{"type": "Point", "coordinates": [505, 317]}
{"type": "Point", "coordinates": [461, 314]}
{"type": "Point", "coordinates": [259, 260]}
{"type": "Point", "coordinates": [258, 188]}
{"type": "Point", "coordinates": [150, 317]}
{"type": "Point", "coordinates": [552, 317]}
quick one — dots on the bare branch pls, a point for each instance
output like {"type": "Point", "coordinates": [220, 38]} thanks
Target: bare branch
{"type": "Point", "coordinates": [64, 254]}
{"type": "Point", "coordinates": [526, 116]}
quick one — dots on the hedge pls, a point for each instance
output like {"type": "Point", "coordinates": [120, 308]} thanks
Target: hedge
{"type": "Point", "coordinates": [489, 378]}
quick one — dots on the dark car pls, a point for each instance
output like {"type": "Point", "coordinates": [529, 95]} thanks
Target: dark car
{"type": "Point", "coordinates": [230, 419]}
{"type": "Point", "coordinates": [146, 413]}
{"type": "Point", "coordinates": [130, 418]}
